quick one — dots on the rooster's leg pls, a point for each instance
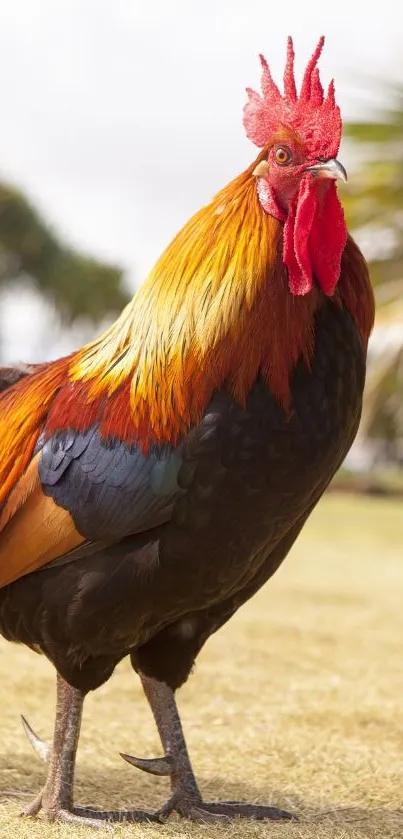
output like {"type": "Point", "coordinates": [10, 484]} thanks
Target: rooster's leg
{"type": "Point", "coordinates": [56, 799]}
{"type": "Point", "coordinates": [186, 798]}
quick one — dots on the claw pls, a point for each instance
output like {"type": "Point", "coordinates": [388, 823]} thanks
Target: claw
{"type": "Point", "coordinates": [39, 746]}
{"type": "Point", "coordinates": [155, 766]}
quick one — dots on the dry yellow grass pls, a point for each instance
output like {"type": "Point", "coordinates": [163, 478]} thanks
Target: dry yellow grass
{"type": "Point", "coordinates": [298, 701]}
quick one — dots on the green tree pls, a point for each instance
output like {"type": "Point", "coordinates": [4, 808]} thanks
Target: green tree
{"type": "Point", "coordinates": [77, 284]}
{"type": "Point", "coordinates": [374, 207]}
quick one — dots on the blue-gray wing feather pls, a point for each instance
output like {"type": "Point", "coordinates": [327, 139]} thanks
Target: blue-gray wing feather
{"type": "Point", "coordinates": [111, 490]}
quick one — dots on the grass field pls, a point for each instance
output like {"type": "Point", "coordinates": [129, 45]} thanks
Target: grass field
{"type": "Point", "coordinates": [298, 701]}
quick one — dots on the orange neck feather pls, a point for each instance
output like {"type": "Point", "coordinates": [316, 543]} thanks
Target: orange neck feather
{"type": "Point", "coordinates": [214, 311]}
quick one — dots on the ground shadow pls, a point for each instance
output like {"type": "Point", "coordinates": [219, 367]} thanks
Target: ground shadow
{"type": "Point", "coordinates": [21, 777]}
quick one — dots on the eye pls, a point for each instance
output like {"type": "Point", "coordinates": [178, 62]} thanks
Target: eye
{"type": "Point", "coordinates": [282, 155]}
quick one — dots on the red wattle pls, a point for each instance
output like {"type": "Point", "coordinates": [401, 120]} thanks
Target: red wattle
{"type": "Point", "coordinates": [314, 237]}
{"type": "Point", "coordinates": [328, 239]}
{"type": "Point", "coordinates": [297, 281]}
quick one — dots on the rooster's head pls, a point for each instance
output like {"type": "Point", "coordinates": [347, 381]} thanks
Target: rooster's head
{"type": "Point", "coordinates": [297, 169]}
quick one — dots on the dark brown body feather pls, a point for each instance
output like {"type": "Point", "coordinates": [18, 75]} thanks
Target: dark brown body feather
{"type": "Point", "coordinates": [250, 477]}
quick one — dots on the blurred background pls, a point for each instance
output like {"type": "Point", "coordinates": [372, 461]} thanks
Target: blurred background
{"type": "Point", "coordinates": [118, 120]}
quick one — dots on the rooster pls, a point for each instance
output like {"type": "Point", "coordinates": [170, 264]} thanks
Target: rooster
{"type": "Point", "coordinates": [154, 480]}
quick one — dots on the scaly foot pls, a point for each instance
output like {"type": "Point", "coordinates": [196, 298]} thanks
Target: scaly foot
{"type": "Point", "coordinates": [53, 809]}
{"type": "Point", "coordinates": [200, 811]}
{"type": "Point", "coordinates": [186, 799]}
{"type": "Point", "coordinates": [55, 801]}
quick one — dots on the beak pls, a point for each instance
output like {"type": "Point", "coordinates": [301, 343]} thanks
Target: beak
{"type": "Point", "coordinates": [261, 170]}
{"type": "Point", "coordinates": [328, 169]}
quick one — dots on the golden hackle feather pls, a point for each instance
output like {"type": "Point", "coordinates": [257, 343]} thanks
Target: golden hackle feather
{"type": "Point", "coordinates": [214, 310]}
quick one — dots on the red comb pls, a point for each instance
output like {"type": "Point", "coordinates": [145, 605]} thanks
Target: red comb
{"type": "Point", "coordinates": [313, 115]}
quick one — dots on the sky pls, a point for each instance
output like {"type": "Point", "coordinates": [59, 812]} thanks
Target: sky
{"type": "Point", "coordinates": [120, 119]}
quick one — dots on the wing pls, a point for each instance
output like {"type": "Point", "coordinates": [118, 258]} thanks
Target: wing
{"type": "Point", "coordinates": [79, 492]}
